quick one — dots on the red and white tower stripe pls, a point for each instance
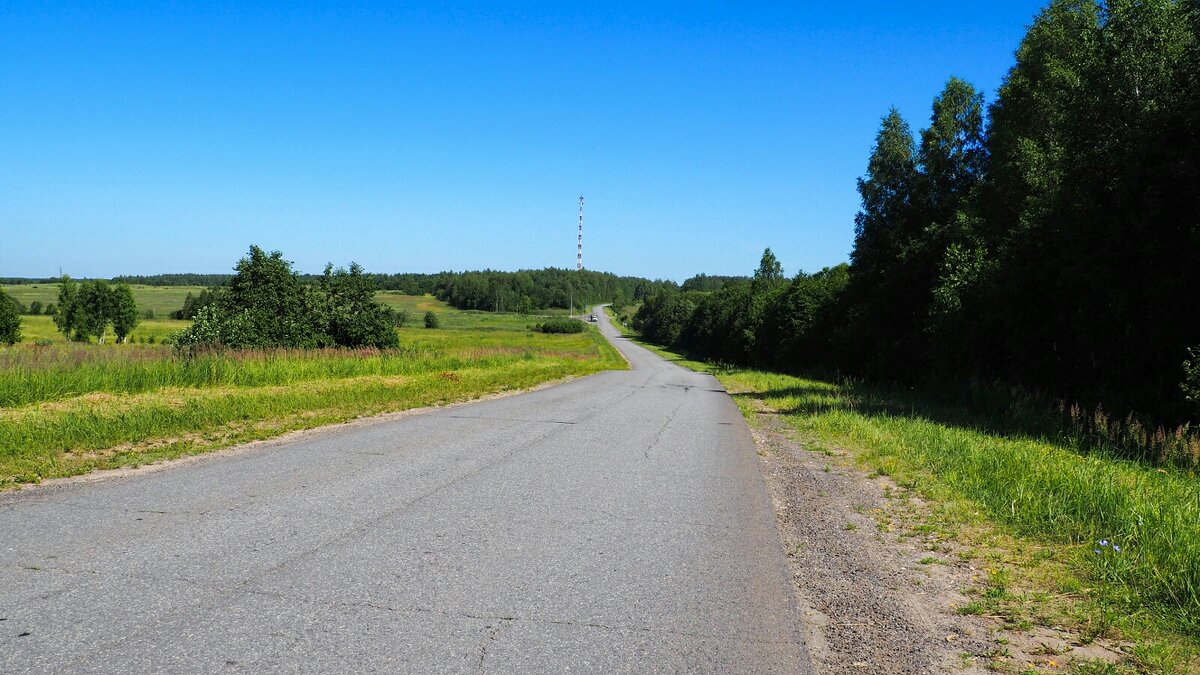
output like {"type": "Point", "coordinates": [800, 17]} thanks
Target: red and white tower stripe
{"type": "Point", "coordinates": [579, 252]}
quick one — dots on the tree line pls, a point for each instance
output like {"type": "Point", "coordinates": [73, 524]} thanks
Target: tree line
{"type": "Point", "coordinates": [1050, 239]}
{"type": "Point", "coordinates": [84, 310]}
{"type": "Point", "coordinates": [35, 307]}
{"type": "Point", "coordinates": [528, 290]}
{"type": "Point", "coordinates": [88, 309]}
{"type": "Point", "coordinates": [489, 290]}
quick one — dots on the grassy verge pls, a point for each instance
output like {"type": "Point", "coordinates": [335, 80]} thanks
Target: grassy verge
{"type": "Point", "coordinates": [616, 322]}
{"type": "Point", "coordinates": [1108, 549]}
{"type": "Point", "coordinates": [72, 409]}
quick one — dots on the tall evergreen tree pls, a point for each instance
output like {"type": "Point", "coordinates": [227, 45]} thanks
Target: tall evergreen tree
{"type": "Point", "coordinates": [880, 233]}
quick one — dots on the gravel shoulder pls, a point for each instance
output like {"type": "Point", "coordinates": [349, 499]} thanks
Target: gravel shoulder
{"type": "Point", "coordinates": [870, 605]}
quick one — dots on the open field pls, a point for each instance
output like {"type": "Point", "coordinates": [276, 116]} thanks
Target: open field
{"type": "Point", "coordinates": [162, 299]}
{"type": "Point", "coordinates": [67, 409]}
{"type": "Point", "coordinates": [35, 328]}
{"type": "Point", "coordinates": [417, 305]}
{"type": "Point", "coordinates": [166, 299]}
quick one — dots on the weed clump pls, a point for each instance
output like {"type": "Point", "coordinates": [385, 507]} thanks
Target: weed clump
{"type": "Point", "coordinates": [559, 326]}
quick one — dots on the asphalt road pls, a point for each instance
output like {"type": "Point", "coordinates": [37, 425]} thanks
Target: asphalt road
{"type": "Point", "coordinates": [615, 523]}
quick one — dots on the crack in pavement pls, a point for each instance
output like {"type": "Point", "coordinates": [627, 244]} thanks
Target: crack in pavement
{"type": "Point", "coordinates": [666, 425]}
{"type": "Point", "coordinates": [505, 419]}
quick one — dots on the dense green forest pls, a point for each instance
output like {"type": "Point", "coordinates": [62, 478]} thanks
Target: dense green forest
{"type": "Point", "coordinates": [528, 290]}
{"type": "Point", "coordinates": [520, 291]}
{"type": "Point", "coordinates": [1050, 240]}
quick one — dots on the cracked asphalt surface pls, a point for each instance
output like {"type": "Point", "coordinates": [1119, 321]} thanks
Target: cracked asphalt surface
{"type": "Point", "coordinates": [617, 522]}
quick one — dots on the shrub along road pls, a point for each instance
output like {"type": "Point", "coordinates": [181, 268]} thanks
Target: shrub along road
{"type": "Point", "coordinates": [616, 522]}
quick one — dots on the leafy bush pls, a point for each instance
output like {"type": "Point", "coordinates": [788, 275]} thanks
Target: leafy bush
{"type": "Point", "coordinates": [193, 303]}
{"type": "Point", "coordinates": [212, 329]}
{"type": "Point", "coordinates": [354, 319]}
{"type": "Point", "coordinates": [560, 326]}
{"type": "Point", "coordinates": [10, 320]}
{"type": "Point", "coordinates": [1191, 376]}
{"type": "Point", "coordinates": [35, 307]}
{"type": "Point", "coordinates": [268, 305]}
{"type": "Point", "coordinates": [432, 320]}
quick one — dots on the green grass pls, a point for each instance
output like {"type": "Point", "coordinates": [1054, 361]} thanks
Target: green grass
{"type": "Point", "coordinates": [1035, 489]}
{"type": "Point", "coordinates": [37, 328]}
{"type": "Point", "coordinates": [1029, 504]}
{"type": "Point", "coordinates": [460, 319]}
{"type": "Point", "coordinates": [627, 331]}
{"type": "Point", "coordinates": [69, 408]}
{"type": "Point", "coordinates": [162, 299]}
{"type": "Point", "coordinates": [31, 375]}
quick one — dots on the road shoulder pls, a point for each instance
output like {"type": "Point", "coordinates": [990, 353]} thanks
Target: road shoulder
{"type": "Point", "coordinates": [871, 604]}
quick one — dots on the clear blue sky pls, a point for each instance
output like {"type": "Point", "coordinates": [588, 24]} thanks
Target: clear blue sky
{"type": "Point", "coordinates": [168, 137]}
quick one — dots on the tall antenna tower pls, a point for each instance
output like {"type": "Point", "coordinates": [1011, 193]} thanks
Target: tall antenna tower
{"type": "Point", "coordinates": [579, 252]}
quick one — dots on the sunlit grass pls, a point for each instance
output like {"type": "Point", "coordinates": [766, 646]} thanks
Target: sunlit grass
{"type": "Point", "coordinates": [162, 299]}
{"type": "Point", "coordinates": [1148, 519]}
{"type": "Point", "coordinates": [70, 408]}
{"type": "Point", "coordinates": [451, 318]}
{"type": "Point", "coordinates": [36, 329]}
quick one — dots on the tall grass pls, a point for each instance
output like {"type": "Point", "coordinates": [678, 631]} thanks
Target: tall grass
{"type": "Point", "coordinates": [36, 374]}
{"type": "Point", "coordinates": [1041, 487]}
{"type": "Point", "coordinates": [1018, 410]}
{"type": "Point", "coordinates": [73, 408]}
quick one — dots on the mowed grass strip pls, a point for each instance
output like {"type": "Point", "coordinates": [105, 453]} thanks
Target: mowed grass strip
{"type": "Point", "coordinates": [1148, 568]}
{"type": "Point", "coordinates": [104, 429]}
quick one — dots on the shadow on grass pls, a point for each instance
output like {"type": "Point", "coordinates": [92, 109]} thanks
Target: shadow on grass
{"type": "Point", "coordinates": [992, 409]}
{"type": "Point", "coordinates": [1006, 413]}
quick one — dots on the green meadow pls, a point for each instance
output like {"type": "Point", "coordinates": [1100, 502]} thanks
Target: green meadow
{"type": "Point", "coordinates": [69, 408]}
{"type": "Point", "coordinates": [41, 329]}
{"type": "Point", "coordinates": [417, 305]}
{"type": "Point", "coordinates": [162, 299]}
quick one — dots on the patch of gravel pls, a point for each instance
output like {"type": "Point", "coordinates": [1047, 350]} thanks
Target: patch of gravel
{"type": "Point", "coordinates": [870, 606]}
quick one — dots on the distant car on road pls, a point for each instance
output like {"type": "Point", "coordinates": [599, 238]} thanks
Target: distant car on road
{"type": "Point", "coordinates": [592, 318]}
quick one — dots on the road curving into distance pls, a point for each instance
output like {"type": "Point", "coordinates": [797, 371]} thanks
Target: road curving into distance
{"type": "Point", "coordinates": [618, 522]}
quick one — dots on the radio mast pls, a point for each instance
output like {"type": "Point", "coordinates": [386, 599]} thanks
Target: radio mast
{"type": "Point", "coordinates": [579, 251]}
